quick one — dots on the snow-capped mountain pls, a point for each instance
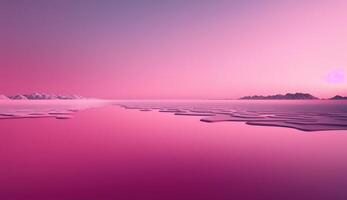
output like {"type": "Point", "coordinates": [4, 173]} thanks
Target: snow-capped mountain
{"type": "Point", "coordinates": [37, 95]}
{"type": "Point", "coordinates": [44, 96]}
{"type": "Point", "coordinates": [17, 97]}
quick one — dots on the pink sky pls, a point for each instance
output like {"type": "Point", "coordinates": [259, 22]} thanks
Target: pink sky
{"type": "Point", "coordinates": [180, 49]}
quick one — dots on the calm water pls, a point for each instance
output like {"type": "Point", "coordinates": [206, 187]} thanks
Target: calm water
{"type": "Point", "coordinates": [108, 152]}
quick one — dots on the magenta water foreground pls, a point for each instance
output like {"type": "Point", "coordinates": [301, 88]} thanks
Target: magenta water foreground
{"type": "Point", "coordinates": [109, 152]}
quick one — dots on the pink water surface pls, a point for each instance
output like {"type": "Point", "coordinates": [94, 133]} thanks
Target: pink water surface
{"type": "Point", "coordinates": [114, 153]}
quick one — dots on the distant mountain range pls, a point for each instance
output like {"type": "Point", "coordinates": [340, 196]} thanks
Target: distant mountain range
{"type": "Point", "coordinates": [288, 96]}
{"type": "Point", "coordinates": [40, 96]}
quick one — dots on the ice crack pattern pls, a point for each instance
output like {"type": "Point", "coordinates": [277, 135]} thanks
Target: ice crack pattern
{"type": "Point", "coordinates": [300, 115]}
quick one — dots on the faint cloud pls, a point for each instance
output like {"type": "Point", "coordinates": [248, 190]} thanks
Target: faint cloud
{"type": "Point", "coordinates": [335, 76]}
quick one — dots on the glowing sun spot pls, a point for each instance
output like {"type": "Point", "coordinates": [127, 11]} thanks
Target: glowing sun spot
{"type": "Point", "coordinates": [335, 76]}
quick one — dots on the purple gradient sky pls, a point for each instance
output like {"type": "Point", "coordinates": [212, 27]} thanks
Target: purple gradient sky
{"type": "Point", "coordinates": [176, 49]}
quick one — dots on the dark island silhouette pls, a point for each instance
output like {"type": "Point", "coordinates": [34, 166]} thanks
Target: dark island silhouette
{"type": "Point", "coordinates": [338, 97]}
{"type": "Point", "coordinates": [288, 96]}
